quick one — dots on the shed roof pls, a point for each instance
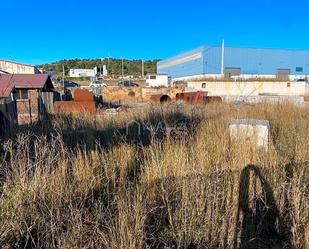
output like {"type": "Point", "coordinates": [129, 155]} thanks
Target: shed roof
{"type": "Point", "coordinates": [29, 81]}
{"type": "Point", "coordinates": [3, 72]}
{"type": "Point", "coordinates": [5, 88]}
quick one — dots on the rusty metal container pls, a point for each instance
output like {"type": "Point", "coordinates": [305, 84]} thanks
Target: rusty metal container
{"type": "Point", "coordinates": [213, 99]}
{"type": "Point", "coordinates": [82, 95]}
{"type": "Point", "coordinates": [73, 107]}
{"type": "Point", "coordinates": [192, 97]}
{"type": "Point", "coordinates": [198, 97]}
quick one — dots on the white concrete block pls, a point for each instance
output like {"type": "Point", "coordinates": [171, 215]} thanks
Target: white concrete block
{"type": "Point", "coordinates": [255, 131]}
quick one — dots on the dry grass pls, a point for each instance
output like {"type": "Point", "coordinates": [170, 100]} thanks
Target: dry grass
{"type": "Point", "coordinates": [81, 182]}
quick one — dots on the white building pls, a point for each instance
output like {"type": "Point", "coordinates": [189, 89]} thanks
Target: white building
{"type": "Point", "coordinates": [17, 68]}
{"type": "Point", "coordinates": [158, 80]}
{"type": "Point", "coordinates": [76, 73]}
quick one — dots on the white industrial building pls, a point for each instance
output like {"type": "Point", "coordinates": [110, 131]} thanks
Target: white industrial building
{"type": "Point", "coordinates": [77, 73]}
{"type": "Point", "coordinates": [225, 61]}
{"type": "Point", "coordinates": [17, 68]}
{"type": "Point", "coordinates": [158, 80]}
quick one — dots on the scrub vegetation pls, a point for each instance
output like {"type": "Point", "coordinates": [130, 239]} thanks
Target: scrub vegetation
{"type": "Point", "coordinates": [174, 181]}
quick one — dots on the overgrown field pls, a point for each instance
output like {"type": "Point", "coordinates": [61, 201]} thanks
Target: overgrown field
{"type": "Point", "coordinates": [161, 177]}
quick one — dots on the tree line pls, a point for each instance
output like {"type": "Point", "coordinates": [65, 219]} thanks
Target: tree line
{"type": "Point", "coordinates": [114, 66]}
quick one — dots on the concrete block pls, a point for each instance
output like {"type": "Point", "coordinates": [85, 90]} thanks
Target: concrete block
{"type": "Point", "coordinates": [255, 131]}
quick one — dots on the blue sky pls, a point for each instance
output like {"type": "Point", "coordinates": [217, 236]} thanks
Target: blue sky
{"type": "Point", "coordinates": [34, 31]}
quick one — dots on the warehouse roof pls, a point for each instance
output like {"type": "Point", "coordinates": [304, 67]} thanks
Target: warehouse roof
{"type": "Point", "coordinates": [206, 47]}
{"type": "Point", "coordinates": [17, 63]}
{"type": "Point", "coordinates": [29, 81]}
{"type": "Point", "coordinates": [157, 74]}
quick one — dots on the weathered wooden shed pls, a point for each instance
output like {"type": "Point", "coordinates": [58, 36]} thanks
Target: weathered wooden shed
{"type": "Point", "coordinates": [33, 94]}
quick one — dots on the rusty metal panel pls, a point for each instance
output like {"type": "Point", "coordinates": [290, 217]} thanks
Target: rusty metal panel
{"type": "Point", "coordinates": [81, 95]}
{"type": "Point", "coordinates": [191, 97]}
{"type": "Point", "coordinates": [213, 99]}
{"type": "Point", "coordinates": [198, 97]}
{"type": "Point", "coordinates": [73, 107]}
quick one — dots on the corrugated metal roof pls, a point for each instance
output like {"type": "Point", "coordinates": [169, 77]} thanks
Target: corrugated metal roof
{"type": "Point", "coordinates": [6, 87]}
{"type": "Point", "coordinates": [29, 81]}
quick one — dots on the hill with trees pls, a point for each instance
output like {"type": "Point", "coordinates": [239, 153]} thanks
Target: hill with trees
{"type": "Point", "coordinates": [114, 66]}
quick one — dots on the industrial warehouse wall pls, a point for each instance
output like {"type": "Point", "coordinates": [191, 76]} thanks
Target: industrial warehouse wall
{"type": "Point", "coordinates": [212, 58]}
{"type": "Point", "coordinates": [16, 68]}
{"type": "Point", "coordinates": [218, 88]}
{"type": "Point", "coordinates": [266, 61]}
{"type": "Point", "coordinates": [251, 61]}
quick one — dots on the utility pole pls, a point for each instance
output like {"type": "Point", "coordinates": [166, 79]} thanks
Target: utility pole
{"type": "Point", "coordinates": [143, 73]}
{"type": "Point", "coordinates": [63, 75]}
{"type": "Point", "coordinates": [222, 58]}
{"type": "Point", "coordinates": [102, 66]}
{"type": "Point", "coordinates": [122, 68]}
{"type": "Point", "coordinates": [108, 68]}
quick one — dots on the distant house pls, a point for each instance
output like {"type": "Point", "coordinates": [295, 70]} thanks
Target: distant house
{"type": "Point", "coordinates": [33, 94]}
{"type": "Point", "coordinates": [158, 80]}
{"type": "Point", "coordinates": [17, 68]}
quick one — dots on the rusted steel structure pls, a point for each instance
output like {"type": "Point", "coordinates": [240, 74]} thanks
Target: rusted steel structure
{"type": "Point", "coordinates": [73, 107]}
{"type": "Point", "coordinates": [213, 99]}
{"type": "Point", "coordinates": [81, 95]}
{"type": "Point", "coordinates": [198, 97]}
{"type": "Point", "coordinates": [82, 103]}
